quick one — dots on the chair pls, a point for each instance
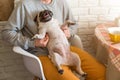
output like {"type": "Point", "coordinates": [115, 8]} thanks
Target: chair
{"type": "Point", "coordinates": [31, 62]}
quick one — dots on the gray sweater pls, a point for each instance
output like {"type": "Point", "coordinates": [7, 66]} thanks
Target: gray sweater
{"type": "Point", "coordinates": [21, 26]}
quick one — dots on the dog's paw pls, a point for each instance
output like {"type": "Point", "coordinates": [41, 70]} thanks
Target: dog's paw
{"type": "Point", "coordinates": [84, 75]}
{"type": "Point", "coordinates": [35, 36]}
{"type": "Point", "coordinates": [61, 71]}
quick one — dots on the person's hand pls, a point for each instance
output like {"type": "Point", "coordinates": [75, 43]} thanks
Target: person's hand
{"type": "Point", "coordinates": [66, 30]}
{"type": "Point", "coordinates": [41, 42]}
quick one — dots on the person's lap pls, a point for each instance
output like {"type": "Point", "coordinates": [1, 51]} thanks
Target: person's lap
{"type": "Point", "coordinates": [95, 70]}
{"type": "Point", "coordinates": [51, 72]}
{"type": "Point", "coordinates": [90, 65]}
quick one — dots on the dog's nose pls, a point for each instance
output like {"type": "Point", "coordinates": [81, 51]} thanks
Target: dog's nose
{"type": "Point", "coordinates": [46, 15]}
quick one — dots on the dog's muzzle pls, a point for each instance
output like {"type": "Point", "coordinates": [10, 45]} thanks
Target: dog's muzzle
{"type": "Point", "coordinates": [45, 15]}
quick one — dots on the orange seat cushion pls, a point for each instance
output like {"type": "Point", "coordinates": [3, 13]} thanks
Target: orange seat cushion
{"type": "Point", "coordinates": [94, 69]}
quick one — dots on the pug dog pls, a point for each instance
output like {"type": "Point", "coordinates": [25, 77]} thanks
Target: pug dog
{"type": "Point", "coordinates": [58, 45]}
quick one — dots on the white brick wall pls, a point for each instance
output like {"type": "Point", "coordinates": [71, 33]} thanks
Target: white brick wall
{"type": "Point", "coordinates": [89, 13]}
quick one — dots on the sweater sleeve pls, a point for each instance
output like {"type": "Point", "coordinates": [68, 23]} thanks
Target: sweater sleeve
{"type": "Point", "coordinates": [69, 16]}
{"type": "Point", "coordinates": [12, 31]}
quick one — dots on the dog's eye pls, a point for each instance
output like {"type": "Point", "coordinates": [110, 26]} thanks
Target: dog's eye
{"type": "Point", "coordinates": [40, 14]}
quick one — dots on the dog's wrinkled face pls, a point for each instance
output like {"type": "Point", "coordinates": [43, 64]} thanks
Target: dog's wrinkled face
{"type": "Point", "coordinates": [45, 16]}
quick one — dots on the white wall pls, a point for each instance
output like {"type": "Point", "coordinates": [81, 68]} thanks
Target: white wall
{"type": "Point", "coordinates": [90, 13]}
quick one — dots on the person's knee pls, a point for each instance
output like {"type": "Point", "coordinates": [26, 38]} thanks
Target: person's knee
{"type": "Point", "coordinates": [90, 65]}
{"type": "Point", "coordinates": [51, 72]}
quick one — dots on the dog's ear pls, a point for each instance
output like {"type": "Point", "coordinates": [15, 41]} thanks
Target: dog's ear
{"type": "Point", "coordinates": [51, 14]}
{"type": "Point", "coordinates": [35, 19]}
{"type": "Point", "coordinates": [69, 22]}
{"type": "Point", "coordinates": [40, 14]}
{"type": "Point", "coordinates": [38, 17]}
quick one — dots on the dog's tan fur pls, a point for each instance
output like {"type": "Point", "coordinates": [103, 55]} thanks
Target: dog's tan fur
{"type": "Point", "coordinates": [58, 46]}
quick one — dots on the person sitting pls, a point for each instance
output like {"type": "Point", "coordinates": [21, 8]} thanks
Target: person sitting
{"type": "Point", "coordinates": [21, 27]}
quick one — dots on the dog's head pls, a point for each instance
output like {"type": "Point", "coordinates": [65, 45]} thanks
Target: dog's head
{"type": "Point", "coordinates": [44, 16]}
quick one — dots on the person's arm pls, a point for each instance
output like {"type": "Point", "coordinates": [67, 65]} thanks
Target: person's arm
{"type": "Point", "coordinates": [12, 31]}
{"type": "Point", "coordinates": [42, 38]}
{"type": "Point", "coordinates": [41, 34]}
{"type": "Point", "coordinates": [66, 31]}
{"type": "Point", "coordinates": [41, 42]}
{"type": "Point", "coordinates": [69, 16]}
